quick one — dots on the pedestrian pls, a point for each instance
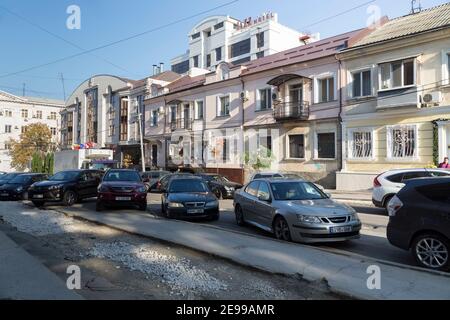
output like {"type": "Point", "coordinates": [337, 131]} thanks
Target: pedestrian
{"type": "Point", "coordinates": [445, 164]}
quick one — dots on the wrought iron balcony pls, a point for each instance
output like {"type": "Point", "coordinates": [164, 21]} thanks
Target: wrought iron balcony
{"type": "Point", "coordinates": [291, 111]}
{"type": "Point", "coordinates": [181, 124]}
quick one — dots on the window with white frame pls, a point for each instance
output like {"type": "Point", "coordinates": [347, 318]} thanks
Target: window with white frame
{"type": "Point", "coordinates": [402, 142]}
{"type": "Point", "coordinates": [325, 89]}
{"type": "Point", "coordinates": [326, 145]}
{"type": "Point", "coordinates": [8, 113]}
{"type": "Point", "coordinates": [198, 112]}
{"type": "Point", "coordinates": [397, 74]}
{"type": "Point", "coordinates": [8, 128]}
{"type": "Point", "coordinates": [446, 77]}
{"type": "Point", "coordinates": [223, 108]}
{"type": "Point", "coordinates": [154, 119]}
{"type": "Point", "coordinates": [264, 99]}
{"type": "Point", "coordinates": [361, 83]}
{"type": "Point", "coordinates": [361, 144]}
{"type": "Point", "coordinates": [296, 146]}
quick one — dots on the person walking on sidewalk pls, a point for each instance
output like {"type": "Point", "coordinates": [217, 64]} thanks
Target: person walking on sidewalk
{"type": "Point", "coordinates": [445, 164]}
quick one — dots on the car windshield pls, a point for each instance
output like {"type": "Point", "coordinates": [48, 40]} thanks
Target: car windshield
{"type": "Point", "coordinates": [187, 186]}
{"type": "Point", "coordinates": [132, 176]}
{"type": "Point", "coordinates": [287, 191]}
{"type": "Point", "coordinates": [65, 176]}
{"type": "Point", "coordinates": [20, 179]}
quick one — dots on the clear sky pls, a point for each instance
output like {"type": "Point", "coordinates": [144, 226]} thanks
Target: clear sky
{"type": "Point", "coordinates": [23, 45]}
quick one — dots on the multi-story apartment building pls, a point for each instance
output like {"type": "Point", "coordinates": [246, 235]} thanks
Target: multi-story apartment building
{"type": "Point", "coordinates": [104, 111]}
{"type": "Point", "coordinates": [18, 112]}
{"type": "Point", "coordinates": [397, 97]}
{"type": "Point", "coordinates": [224, 39]}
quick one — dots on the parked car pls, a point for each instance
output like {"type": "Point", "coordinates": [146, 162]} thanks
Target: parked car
{"type": "Point", "coordinates": [163, 183]}
{"type": "Point", "coordinates": [419, 221]}
{"type": "Point", "coordinates": [8, 177]}
{"type": "Point", "coordinates": [220, 186]}
{"type": "Point", "coordinates": [2, 173]}
{"type": "Point", "coordinates": [297, 210]}
{"type": "Point", "coordinates": [17, 188]}
{"type": "Point", "coordinates": [267, 175]}
{"type": "Point", "coordinates": [122, 188]}
{"type": "Point", "coordinates": [66, 186]}
{"type": "Point", "coordinates": [151, 178]}
{"type": "Point", "coordinates": [389, 183]}
{"type": "Point", "coordinates": [189, 197]}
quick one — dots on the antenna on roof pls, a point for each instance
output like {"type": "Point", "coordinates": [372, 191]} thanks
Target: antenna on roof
{"type": "Point", "coordinates": [416, 7]}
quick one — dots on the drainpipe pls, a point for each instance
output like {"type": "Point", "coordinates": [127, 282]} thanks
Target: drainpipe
{"type": "Point", "coordinates": [342, 163]}
{"type": "Point", "coordinates": [164, 135]}
{"type": "Point", "coordinates": [242, 130]}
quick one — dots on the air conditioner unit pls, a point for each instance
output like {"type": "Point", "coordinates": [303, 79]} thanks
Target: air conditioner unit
{"type": "Point", "coordinates": [432, 98]}
{"type": "Point", "coordinates": [275, 94]}
{"type": "Point", "coordinates": [244, 95]}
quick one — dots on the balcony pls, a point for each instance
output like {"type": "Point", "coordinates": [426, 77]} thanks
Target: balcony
{"type": "Point", "coordinates": [291, 111]}
{"type": "Point", "coordinates": [181, 124]}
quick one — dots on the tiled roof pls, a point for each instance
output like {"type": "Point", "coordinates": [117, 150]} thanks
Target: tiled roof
{"type": "Point", "coordinates": [315, 50]}
{"type": "Point", "coordinates": [167, 76]}
{"type": "Point", "coordinates": [186, 82]}
{"type": "Point", "coordinates": [427, 20]}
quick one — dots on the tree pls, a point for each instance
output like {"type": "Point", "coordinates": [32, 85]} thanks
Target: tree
{"type": "Point", "coordinates": [35, 139]}
{"type": "Point", "coordinates": [127, 161]}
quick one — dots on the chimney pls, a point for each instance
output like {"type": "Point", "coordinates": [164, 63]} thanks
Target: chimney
{"type": "Point", "coordinates": [155, 69]}
{"type": "Point", "coordinates": [161, 67]}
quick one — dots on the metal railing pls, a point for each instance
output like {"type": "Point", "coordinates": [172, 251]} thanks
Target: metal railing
{"type": "Point", "coordinates": [291, 110]}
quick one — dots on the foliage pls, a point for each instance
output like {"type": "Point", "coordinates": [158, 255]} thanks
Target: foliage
{"type": "Point", "coordinates": [127, 161]}
{"type": "Point", "coordinates": [43, 163]}
{"type": "Point", "coordinates": [36, 138]}
{"type": "Point", "coordinates": [260, 159]}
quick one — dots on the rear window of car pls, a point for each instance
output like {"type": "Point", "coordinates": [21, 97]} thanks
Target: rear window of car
{"type": "Point", "coordinates": [122, 176]}
{"type": "Point", "coordinates": [187, 186]}
{"type": "Point", "coordinates": [440, 192]}
{"type": "Point", "coordinates": [439, 173]}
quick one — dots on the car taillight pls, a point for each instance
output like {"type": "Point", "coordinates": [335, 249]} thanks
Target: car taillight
{"type": "Point", "coordinates": [376, 182]}
{"type": "Point", "coordinates": [394, 205]}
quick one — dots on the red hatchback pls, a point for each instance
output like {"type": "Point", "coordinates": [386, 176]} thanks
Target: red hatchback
{"type": "Point", "coordinates": [121, 188]}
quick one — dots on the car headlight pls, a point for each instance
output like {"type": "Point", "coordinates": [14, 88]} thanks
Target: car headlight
{"type": "Point", "coordinates": [175, 205]}
{"type": "Point", "coordinates": [102, 189]}
{"type": "Point", "coordinates": [212, 204]}
{"type": "Point", "coordinates": [354, 217]}
{"type": "Point", "coordinates": [309, 219]}
{"type": "Point", "coordinates": [229, 188]}
{"type": "Point", "coordinates": [141, 190]}
{"type": "Point", "coordinates": [56, 187]}
{"type": "Point", "coordinates": [19, 189]}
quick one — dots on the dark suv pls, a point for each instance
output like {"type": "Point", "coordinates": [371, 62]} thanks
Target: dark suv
{"type": "Point", "coordinates": [420, 221]}
{"type": "Point", "coordinates": [67, 186]}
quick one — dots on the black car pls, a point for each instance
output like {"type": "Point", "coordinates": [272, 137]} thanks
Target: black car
{"type": "Point", "coordinates": [419, 221]}
{"type": "Point", "coordinates": [67, 186]}
{"type": "Point", "coordinates": [17, 188]}
{"type": "Point", "coordinates": [189, 197]}
{"type": "Point", "coordinates": [220, 186]}
{"type": "Point", "coordinates": [5, 178]}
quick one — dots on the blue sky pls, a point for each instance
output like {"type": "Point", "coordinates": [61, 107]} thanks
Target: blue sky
{"type": "Point", "coordinates": [105, 21]}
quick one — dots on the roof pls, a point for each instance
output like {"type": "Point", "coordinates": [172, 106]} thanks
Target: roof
{"type": "Point", "coordinates": [315, 50]}
{"type": "Point", "coordinates": [424, 21]}
{"type": "Point", "coordinates": [45, 101]}
{"type": "Point", "coordinates": [167, 76]}
{"type": "Point", "coordinates": [186, 82]}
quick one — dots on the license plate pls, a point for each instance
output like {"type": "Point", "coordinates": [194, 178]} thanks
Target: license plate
{"type": "Point", "coordinates": [195, 211]}
{"type": "Point", "coordinates": [5, 194]}
{"type": "Point", "coordinates": [38, 196]}
{"type": "Point", "coordinates": [123, 198]}
{"type": "Point", "coordinates": [341, 229]}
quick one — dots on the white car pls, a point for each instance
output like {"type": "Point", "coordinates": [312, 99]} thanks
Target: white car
{"type": "Point", "coordinates": [388, 184]}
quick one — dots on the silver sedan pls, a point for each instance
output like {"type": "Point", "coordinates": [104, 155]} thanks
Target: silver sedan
{"type": "Point", "coordinates": [295, 210]}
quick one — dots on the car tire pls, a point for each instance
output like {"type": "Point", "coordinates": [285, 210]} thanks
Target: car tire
{"type": "Point", "coordinates": [281, 229]}
{"type": "Point", "coordinates": [239, 216]}
{"type": "Point", "coordinates": [38, 204]}
{"type": "Point", "coordinates": [69, 198]}
{"type": "Point", "coordinates": [143, 207]}
{"type": "Point", "coordinates": [436, 258]}
{"type": "Point", "coordinates": [99, 207]}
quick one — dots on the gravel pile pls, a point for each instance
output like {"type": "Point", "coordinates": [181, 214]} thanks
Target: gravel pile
{"type": "Point", "coordinates": [37, 222]}
{"type": "Point", "coordinates": [260, 288]}
{"type": "Point", "coordinates": [178, 273]}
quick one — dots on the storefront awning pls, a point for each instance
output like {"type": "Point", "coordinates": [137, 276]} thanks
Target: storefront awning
{"type": "Point", "coordinates": [278, 81]}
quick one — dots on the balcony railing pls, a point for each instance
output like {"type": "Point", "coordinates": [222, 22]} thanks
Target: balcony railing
{"type": "Point", "coordinates": [291, 111]}
{"type": "Point", "coordinates": [181, 124]}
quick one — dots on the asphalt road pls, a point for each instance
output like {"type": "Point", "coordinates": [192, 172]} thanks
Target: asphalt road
{"type": "Point", "coordinates": [372, 244]}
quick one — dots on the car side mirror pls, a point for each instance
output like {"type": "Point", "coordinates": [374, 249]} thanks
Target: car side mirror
{"type": "Point", "coordinates": [265, 198]}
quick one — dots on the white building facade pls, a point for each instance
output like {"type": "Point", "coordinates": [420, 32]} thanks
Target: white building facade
{"type": "Point", "coordinates": [18, 112]}
{"type": "Point", "coordinates": [219, 39]}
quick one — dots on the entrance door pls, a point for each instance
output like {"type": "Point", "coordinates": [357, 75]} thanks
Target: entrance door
{"type": "Point", "coordinates": [154, 155]}
{"type": "Point", "coordinates": [295, 99]}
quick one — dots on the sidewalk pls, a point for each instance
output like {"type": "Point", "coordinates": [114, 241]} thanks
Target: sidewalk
{"type": "Point", "coordinates": [353, 197]}
{"type": "Point", "coordinates": [344, 274]}
{"type": "Point", "coordinates": [22, 277]}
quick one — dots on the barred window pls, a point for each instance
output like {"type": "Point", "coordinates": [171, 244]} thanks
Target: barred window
{"type": "Point", "coordinates": [402, 141]}
{"type": "Point", "coordinates": [361, 144]}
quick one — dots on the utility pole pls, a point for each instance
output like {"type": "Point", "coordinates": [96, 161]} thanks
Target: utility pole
{"type": "Point", "coordinates": [141, 134]}
{"type": "Point", "coordinates": [63, 85]}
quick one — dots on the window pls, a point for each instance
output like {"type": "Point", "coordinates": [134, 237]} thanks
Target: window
{"type": "Point", "coordinates": [181, 67]}
{"type": "Point", "coordinates": [24, 129]}
{"type": "Point", "coordinates": [225, 150]}
{"type": "Point", "coordinates": [52, 115]}
{"type": "Point", "coordinates": [8, 146]}
{"type": "Point", "coordinates": [297, 146]}
{"type": "Point", "coordinates": [112, 116]}
{"type": "Point", "coordinates": [208, 33]}
{"type": "Point", "coordinates": [436, 192]}
{"type": "Point", "coordinates": [208, 60]}
{"type": "Point", "coordinates": [260, 55]}
{"type": "Point", "coordinates": [8, 128]}
{"type": "Point", "coordinates": [362, 84]}
{"type": "Point", "coordinates": [360, 144]}
{"type": "Point", "coordinates": [448, 68]}
{"type": "Point", "coordinates": [218, 26]}
{"type": "Point", "coordinates": [196, 36]}
{"type": "Point", "coordinates": [123, 120]}
{"type": "Point", "coordinates": [219, 54]}
{"type": "Point", "coordinates": [240, 48]}
{"type": "Point", "coordinates": [24, 113]}
{"type": "Point", "coordinates": [325, 89]}
{"type": "Point", "coordinates": [70, 128]}
{"type": "Point", "coordinates": [402, 142]}
{"type": "Point", "coordinates": [173, 114]}
{"type": "Point", "coordinates": [397, 74]}
{"type": "Point", "coordinates": [195, 61]}
{"type": "Point", "coordinates": [224, 106]}
{"type": "Point", "coordinates": [326, 145]}
{"type": "Point", "coordinates": [252, 188]}
{"type": "Point", "coordinates": [38, 114]}
{"type": "Point", "coordinates": [264, 99]}
{"type": "Point", "coordinates": [154, 118]}
{"type": "Point", "coordinates": [53, 130]}
{"type": "Point", "coordinates": [260, 39]}
{"type": "Point", "coordinates": [263, 191]}
{"type": "Point", "coordinates": [198, 110]}
{"type": "Point", "coordinates": [8, 113]}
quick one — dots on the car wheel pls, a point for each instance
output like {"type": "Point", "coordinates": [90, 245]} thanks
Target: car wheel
{"type": "Point", "coordinates": [69, 198]}
{"type": "Point", "coordinates": [99, 207]}
{"type": "Point", "coordinates": [38, 204]}
{"type": "Point", "coordinates": [281, 229]}
{"type": "Point", "coordinates": [239, 216]}
{"type": "Point", "coordinates": [143, 207]}
{"type": "Point", "coordinates": [431, 251]}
